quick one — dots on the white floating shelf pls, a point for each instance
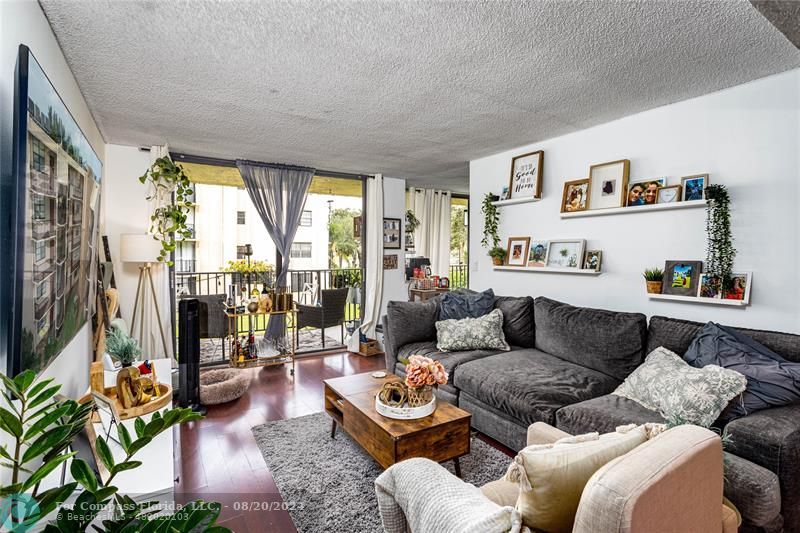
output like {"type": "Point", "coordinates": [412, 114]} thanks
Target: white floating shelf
{"type": "Point", "coordinates": [635, 209]}
{"type": "Point", "coordinates": [500, 203]}
{"type": "Point", "coordinates": [698, 300]}
{"type": "Point", "coordinates": [551, 270]}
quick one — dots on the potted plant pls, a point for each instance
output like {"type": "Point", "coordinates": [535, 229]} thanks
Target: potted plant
{"type": "Point", "coordinates": [491, 222]}
{"type": "Point", "coordinates": [412, 222]}
{"type": "Point", "coordinates": [168, 220]}
{"type": "Point", "coordinates": [122, 346]}
{"type": "Point", "coordinates": [422, 373]}
{"type": "Point", "coordinates": [719, 249]}
{"type": "Point", "coordinates": [655, 280]}
{"type": "Point", "coordinates": [498, 255]}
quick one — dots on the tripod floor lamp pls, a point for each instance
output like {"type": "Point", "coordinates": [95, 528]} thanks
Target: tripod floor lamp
{"type": "Point", "coordinates": [142, 249]}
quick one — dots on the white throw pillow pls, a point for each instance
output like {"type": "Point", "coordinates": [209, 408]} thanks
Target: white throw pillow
{"type": "Point", "coordinates": [482, 333]}
{"type": "Point", "coordinates": [679, 392]}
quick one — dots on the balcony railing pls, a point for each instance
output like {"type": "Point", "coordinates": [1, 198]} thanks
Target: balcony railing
{"type": "Point", "coordinates": [459, 276]}
{"type": "Point", "coordinates": [42, 182]}
{"type": "Point", "coordinates": [185, 265]}
{"type": "Point", "coordinates": [43, 229]}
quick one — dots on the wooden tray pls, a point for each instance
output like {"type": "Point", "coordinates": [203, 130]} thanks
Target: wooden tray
{"type": "Point", "coordinates": [164, 399]}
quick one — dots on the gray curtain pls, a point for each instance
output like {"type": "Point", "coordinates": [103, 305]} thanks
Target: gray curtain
{"type": "Point", "coordinates": [278, 193]}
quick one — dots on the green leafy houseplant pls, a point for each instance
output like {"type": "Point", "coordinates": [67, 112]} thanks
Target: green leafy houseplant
{"type": "Point", "coordinates": [655, 280]}
{"type": "Point", "coordinates": [168, 220]}
{"type": "Point", "coordinates": [40, 430]}
{"type": "Point", "coordinates": [241, 266]}
{"type": "Point", "coordinates": [498, 255]}
{"type": "Point", "coordinates": [720, 252]}
{"type": "Point", "coordinates": [412, 222]}
{"type": "Point", "coordinates": [491, 222]}
{"type": "Point", "coordinates": [122, 346]}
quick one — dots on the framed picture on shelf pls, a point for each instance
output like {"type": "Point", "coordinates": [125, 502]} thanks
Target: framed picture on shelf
{"type": "Point", "coordinates": [707, 288]}
{"type": "Point", "coordinates": [740, 287]}
{"type": "Point", "coordinates": [609, 184]}
{"type": "Point", "coordinates": [538, 254]}
{"type": "Point", "coordinates": [516, 254]}
{"type": "Point", "coordinates": [593, 260]}
{"type": "Point", "coordinates": [694, 187]}
{"type": "Point", "coordinates": [682, 278]}
{"type": "Point", "coordinates": [565, 253]}
{"type": "Point", "coordinates": [575, 196]}
{"type": "Point", "coordinates": [644, 192]}
{"type": "Point", "coordinates": [390, 262]}
{"type": "Point", "coordinates": [669, 195]}
{"type": "Point", "coordinates": [526, 176]}
{"type": "Point", "coordinates": [391, 233]}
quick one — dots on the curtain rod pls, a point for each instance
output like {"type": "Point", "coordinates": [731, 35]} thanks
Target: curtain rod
{"type": "Point", "coordinates": [284, 166]}
{"type": "Point", "coordinates": [216, 161]}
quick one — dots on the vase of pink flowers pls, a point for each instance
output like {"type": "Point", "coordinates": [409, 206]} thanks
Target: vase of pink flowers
{"type": "Point", "coordinates": [422, 374]}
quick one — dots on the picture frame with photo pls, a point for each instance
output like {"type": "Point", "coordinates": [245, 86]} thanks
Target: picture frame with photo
{"type": "Point", "coordinates": [575, 196]}
{"type": "Point", "coordinates": [567, 253]}
{"type": "Point", "coordinates": [537, 257]}
{"type": "Point", "coordinates": [644, 191]}
{"type": "Point", "coordinates": [593, 260]}
{"type": "Point", "coordinates": [669, 195]}
{"type": "Point", "coordinates": [682, 278]}
{"type": "Point", "coordinates": [392, 233]}
{"type": "Point", "coordinates": [390, 262]}
{"type": "Point", "coordinates": [694, 187]}
{"type": "Point", "coordinates": [708, 288]}
{"type": "Point", "coordinates": [609, 184]}
{"type": "Point", "coordinates": [525, 180]}
{"type": "Point", "coordinates": [741, 283]}
{"type": "Point", "coordinates": [516, 253]}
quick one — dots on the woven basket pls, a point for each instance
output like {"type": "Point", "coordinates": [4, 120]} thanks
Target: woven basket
{"type": "Point", "coordinates": [420, 396]}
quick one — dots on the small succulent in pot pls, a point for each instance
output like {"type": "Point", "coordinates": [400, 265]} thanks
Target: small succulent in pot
{"type": "Point", "coordinates": [122, 346]}
{"type": "Point", "coordinates": [655, 280]}
{"type": "Point", "coordinates": [498, 255]}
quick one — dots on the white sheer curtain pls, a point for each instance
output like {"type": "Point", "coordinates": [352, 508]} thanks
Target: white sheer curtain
{"type": "Point", "coordinates": [152, 346]}
{"type": "Point", "coordinates": [373, 263]}
{"type": "Point", "coordinates": [432, 236]}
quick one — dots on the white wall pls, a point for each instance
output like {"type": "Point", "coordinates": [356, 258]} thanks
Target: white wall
{"type": "Point", "coordinates": [23, 22]}
{"type": "Point", "coordinates": [394, 206]}
{"type": "Point", "coordinates": [746, 137]}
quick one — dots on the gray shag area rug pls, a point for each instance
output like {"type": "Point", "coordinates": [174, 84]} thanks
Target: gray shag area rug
{"type": "Point", "coordinates": [328, 484]}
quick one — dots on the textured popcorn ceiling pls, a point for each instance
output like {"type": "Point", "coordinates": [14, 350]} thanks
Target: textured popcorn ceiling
{"type": "Point", "coordinates": [412, 89]}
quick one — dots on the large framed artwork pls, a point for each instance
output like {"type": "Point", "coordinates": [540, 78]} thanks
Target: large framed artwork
{"type": "Point", "coordinates": [54, 201]}
{"type": "Point", "coordinates": [526, 176]}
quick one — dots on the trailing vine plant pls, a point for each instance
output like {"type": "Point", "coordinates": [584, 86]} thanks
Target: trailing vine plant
{"type": "Point", "coordinates": [491, 222]}
{"type": "Point", "coordinates": [412, 222]}
{"type": "Point", "coordinates": [168, 220]}
{"type": "Point", "coordinates": [719, 249]}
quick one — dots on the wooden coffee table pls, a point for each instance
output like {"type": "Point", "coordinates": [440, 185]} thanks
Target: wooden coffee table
{"type": "Point", "coordinates": [442, 436]}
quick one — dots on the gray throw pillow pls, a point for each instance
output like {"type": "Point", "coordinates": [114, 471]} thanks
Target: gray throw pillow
{"type": "Point", "coordinates": [772, 381]}
{"type": "Point", "coordinates": [458, 305]}
{"type": "Point", "coordinates": [483, 333]}
{"type": "Point", "coordinates": [679, 392]}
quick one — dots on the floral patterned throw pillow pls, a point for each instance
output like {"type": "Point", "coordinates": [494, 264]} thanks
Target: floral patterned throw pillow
{"type": "Point", "coordinates": [483, 333]}
{"type": "Point", "coordinates": [679, 392]}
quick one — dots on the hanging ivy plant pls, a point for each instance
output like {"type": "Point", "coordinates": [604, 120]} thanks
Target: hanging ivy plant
{"type": "Point", "coordinates": [412, 222]}
{"type": "Point", "coordinates": [168, 220]}
{"type": "Point", "coordinates": [491, 222]}
{"type": "Point", "coordinates": [719, 250]}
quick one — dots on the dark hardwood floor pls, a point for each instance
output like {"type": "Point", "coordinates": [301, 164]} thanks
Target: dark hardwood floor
{"type": "Point", "coordinates": [217, 458]}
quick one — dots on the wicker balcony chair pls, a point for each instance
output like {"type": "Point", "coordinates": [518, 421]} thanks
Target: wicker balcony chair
{"type": "Point", "coordinates": [329, 313]}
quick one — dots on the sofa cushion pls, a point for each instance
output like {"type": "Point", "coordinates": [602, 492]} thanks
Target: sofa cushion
{"type": "Point", "coordinates": [676, 335]}
{"type": "Point", "coordinates": [606, 341]}
{"type": "Point", "coordinates": [460, 304]}
{"type": "Point", "coordinates": [530, 385]}
{"type": "Point", "coordinates": [754, 490]}
{"type": "Point", "coordinates": [603, 414]}
{"type": "Point", "coordinates": [772, 381]}
{"type": "Point", "coordinates": [412, 321]}
{"type": "Point", "coordinates": [681, 393]}
{"type": "Point", "coordinates": [518, 325]}
{"type": "Point", "coordinates": [482, 333]}
{"type": "Point", "coordinates": [450, 360]}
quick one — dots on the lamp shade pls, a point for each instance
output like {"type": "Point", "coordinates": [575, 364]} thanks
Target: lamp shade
{"type": "Point", "coordinates": [138, 248]}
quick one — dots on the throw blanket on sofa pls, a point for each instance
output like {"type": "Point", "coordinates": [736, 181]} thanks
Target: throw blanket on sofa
{"type": "Point", "coordinates": [409, 494]}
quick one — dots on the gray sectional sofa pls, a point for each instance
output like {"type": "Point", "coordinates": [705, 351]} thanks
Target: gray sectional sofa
{"type": "Point", "coordinates": [564, 363]}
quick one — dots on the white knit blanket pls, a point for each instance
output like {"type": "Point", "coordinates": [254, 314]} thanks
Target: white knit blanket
{"type": "Point", "coordinates": [420, 495]}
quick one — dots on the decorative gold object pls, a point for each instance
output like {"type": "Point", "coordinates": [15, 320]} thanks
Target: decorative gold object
{"type": "Point", "coordinates": [420, 396]}
{"type": "Point", "coordinates": [265, 303]}
{"type": "Point", "coordinates": [393, 394]}
{"type": "Point", "coordinates": [252, 307]}
{"type": "Point", "coordinates": [133, 389]}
